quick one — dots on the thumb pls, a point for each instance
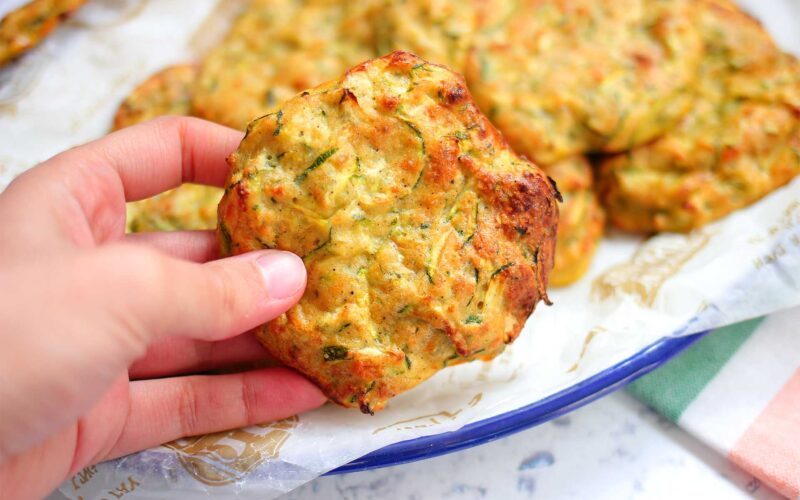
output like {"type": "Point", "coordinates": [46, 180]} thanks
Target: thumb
{"type": "Point", "coordinates": [211, 301]}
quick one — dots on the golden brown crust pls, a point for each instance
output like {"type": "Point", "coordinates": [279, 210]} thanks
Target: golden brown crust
{"type": "Point", "coordinates": [25, 27]}
{"type": "Point", "coordinates": [740, 141]}
{"type": "Point", "coordinates": [168, 92]}
{"type": "Point", "coordinates": [427, 240]}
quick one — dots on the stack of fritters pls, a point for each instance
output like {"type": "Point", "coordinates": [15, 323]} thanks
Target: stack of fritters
{"type": "Point", "coordinates": [739, 141]}
{"type": "Point", "coordinates": [686, 108]}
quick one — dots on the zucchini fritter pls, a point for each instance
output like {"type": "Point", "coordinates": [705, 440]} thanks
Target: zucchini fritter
{"type": "Point", "coordinates": [189, 206]}
{"type": "Point", "coordinates": [740, 141]}
{"type": "Point", "coordinates": [276, 49]}
{"type": "Point", "coordinates": [428, 241]}
{"type": "Point", "coordinates": [25, 27]}
{"type": "Point", "coordinates": [439, 31]}
{"type": "Point", "coordinates": [168, 92]}
{"type": "Point", "coordinates": [565, 77]}
{"type": "Point", "coordinates": [581, 220]}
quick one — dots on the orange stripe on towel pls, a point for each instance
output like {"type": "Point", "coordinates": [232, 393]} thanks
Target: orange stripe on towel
{"type": "Point", "coordinates": [770, 447]}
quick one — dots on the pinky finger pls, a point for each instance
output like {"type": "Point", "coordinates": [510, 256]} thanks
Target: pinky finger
{"type": "Point", "coordinates": [163, 410]}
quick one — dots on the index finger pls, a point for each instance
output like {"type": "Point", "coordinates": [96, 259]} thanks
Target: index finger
{"type": "Point", "coordinates": [97, 178]}
{"type": "Point", "coordinates": [161, 154]}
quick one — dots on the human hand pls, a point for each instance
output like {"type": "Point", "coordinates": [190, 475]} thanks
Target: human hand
{"type": "Point", "coordinates": [94, 324]}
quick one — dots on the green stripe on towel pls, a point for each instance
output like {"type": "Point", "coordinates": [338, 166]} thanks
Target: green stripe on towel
{"type": "Point", "coordinates": [670, 389]}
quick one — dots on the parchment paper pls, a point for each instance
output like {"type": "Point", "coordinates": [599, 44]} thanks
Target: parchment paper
{"type": "Point", "coordinates": [65, 93]}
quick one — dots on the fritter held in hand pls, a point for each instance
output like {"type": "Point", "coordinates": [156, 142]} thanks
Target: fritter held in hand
{"type": "Point", "coordinates": [190, 206]}
{"type": "Point", "coordinates": [565, 77]}
{"type": "Point", "coordinates": [25, 27]}
{"type": "Point", "coordinates": [581, 220]}
{"type": "Point", "coordinates": [740, 141]}
{"type": "Point", "coordinates": [428, 241]}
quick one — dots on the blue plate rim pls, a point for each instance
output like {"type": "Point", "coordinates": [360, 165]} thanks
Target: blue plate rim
{"type": "Point", "coordinates": [541, 411]}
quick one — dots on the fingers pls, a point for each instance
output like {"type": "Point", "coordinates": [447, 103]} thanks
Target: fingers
{"type": "Point", "coordinates": [175, 356]}
{"type": "Point", "coordinates": [163, 410]}
{"type": "Point", "coordinates": [153, 295]}
{"type": "Point", "coordinates": [79, 195]}
{"type": "Point", "coordinates": [154, 156]}
{"type": "Point", "coordinates": [194, 246]}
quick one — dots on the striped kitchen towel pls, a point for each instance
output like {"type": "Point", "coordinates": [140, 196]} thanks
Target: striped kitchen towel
{"type": "Point", "coordinates": [738, 391]}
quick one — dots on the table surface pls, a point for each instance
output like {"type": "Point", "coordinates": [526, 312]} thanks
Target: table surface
{"type": "Point", "coordinates": [614, 448]}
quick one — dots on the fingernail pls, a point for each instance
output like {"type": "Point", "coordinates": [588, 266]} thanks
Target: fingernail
{"type": "Point", "coordinates": [283, 272]}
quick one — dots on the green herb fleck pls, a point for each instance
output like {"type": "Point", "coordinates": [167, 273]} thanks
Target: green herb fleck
{"type": "Point", "coordinates": [473, 319]}
{"type": "Point", "coordinates": [334, 352]}
{"type": "Point", "coordinates": [38, 21]}
{"type": "Point", "coordinates": [461, 135]}
{"type": "Point", "coordinates": [342, 328]}
{"type": "Point", "coordinates": [404, 309]}
{"type": "Point", "coordinates": [321, 245]}
{"type": "Point", "coordinates": [279, 121]}
{"type": "Point", "coordinates": [501, 269]}
{"type": "Point", "coordinates": [269, 97]}
{"type": "Point", "coordinates": [319, 160]}
{"type": "Point", "coordinates": [424, 225]}
{"type": "Point", "coordinates": [417, 133]}
{"type": "Point", "coordinates": [484, 67]}
{"type": "Point", "coordinates": [469, 238]}
{"type": "Point", "coordinates": [408, 362]}
{"type": "Point", "coordinates": [451, 358]}
{"type": "Point", "coordinates": [263, 243]}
